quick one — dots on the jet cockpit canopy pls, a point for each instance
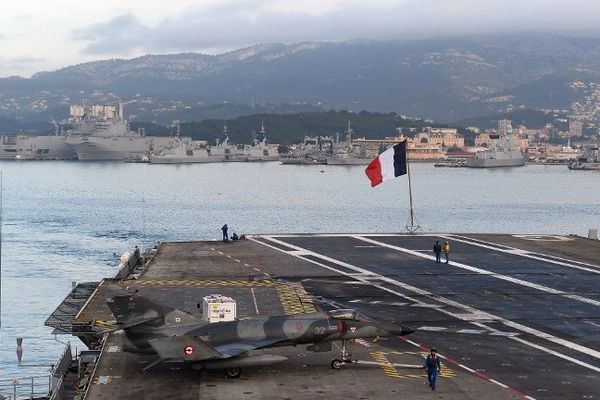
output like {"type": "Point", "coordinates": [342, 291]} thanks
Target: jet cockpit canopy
{"type": "Point", "coordinates": [347, 314]}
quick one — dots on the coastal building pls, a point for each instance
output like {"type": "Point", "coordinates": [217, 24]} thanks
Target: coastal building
{"type": "Point", "coordinates": [417, 148]}
{"type": "Point", "coordinates": [483, 140]}
{"type": "Point", "coordinates": [575, 127]}
{"type": "Point", "coordinates": [97, 111]}
{"type": "Point", "coordinates": [504, 126]}
{"type": "Point", "coordinates": [445, 137]}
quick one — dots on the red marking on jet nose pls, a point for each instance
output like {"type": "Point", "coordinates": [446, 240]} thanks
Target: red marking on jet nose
{"type": "Point", "coordinates": [188, 350]}
{"type": "Point", "coordinates": [298, 326]}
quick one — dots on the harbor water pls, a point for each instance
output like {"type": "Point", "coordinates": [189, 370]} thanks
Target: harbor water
{"type": "Point", "coordinates": [69, 221]}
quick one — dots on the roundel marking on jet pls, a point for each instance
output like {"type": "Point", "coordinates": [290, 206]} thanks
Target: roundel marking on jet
{"type": "Point", "coordinates": [299, 326]}
{"type": "Point", "coordinates": [188, 350]}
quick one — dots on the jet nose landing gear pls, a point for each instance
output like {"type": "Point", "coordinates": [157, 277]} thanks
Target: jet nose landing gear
{"type": "Point", "coordinates": [233, 373]}
{"type": "Point", "coordinates": [338, 363]}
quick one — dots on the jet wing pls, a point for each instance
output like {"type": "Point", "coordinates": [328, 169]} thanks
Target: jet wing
{"type": "Point", "coordinates": [118, 327]}
{"type": "Point", "coordinates": [234, 349]}
{"type": "Point", "coordinates": [192, 348]}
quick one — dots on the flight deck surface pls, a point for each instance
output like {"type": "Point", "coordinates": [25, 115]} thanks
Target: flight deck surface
{"type": "Point", "coordinates": [514, 316]}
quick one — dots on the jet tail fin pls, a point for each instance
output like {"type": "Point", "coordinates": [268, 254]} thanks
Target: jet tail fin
{"type": "Point", "coordinates": [129, 309]}
{"type": "Point", "coordinates": [133, 310]}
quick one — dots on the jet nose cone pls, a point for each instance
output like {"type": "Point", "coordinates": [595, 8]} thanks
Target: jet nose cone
{"type": "Point", "coordinates": [406, 330]}
{"type": "Point", "coordinates": [398, 330]}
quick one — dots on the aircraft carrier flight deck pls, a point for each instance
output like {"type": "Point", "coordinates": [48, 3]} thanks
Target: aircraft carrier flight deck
{"type": "Point", "coordinates": [512, 316]}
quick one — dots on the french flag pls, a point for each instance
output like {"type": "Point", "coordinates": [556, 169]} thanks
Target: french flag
{"type": "Point", "coordinates": [389, 164]}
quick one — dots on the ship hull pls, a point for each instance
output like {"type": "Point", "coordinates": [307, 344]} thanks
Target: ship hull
{"type": "Point", "coordinates": [495, 163]}
{"type": "Point", "coordinates": [585, 166]}
{"type": "Point", "coordinates": [88, 151]}
{"type": "Point", "coordinates": [348, 161]}
{"type": "Point", "coordinates": [184, 160]}
{"type": "Point", "coordinates": [35, 148]}
{"type": "Point", "coordinates": [117, 148]}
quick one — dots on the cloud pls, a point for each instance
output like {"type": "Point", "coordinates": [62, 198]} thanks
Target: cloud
{"type": "Point", "coordinates": [120, 35]}
{"type": "Point", "coordinates": [16, 65]}
{"type": "Point", "coordinates": [233, 23]}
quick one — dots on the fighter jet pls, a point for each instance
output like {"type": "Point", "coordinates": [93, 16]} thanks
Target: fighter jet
{"type": "Point", "coordinates": [178, 336]}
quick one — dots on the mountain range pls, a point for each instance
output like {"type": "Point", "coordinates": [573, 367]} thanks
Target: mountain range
{"type": "Point", "coordinates": [444, 79]}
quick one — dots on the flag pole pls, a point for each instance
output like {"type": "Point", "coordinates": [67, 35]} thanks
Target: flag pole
{"type": "Point", "coordinates": [412, 228]}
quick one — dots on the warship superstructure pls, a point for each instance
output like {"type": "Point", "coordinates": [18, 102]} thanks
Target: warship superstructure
{"type": "Point", "coordinates": [105, 135]}
{"type": "Point", "coordinates": [501, 153]}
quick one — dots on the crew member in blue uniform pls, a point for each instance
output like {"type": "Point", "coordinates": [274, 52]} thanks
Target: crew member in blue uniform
{"type": "Point", "coordinates": [437, 249]}
{"type": "Point", "coordinates": [225, 235]}
{"type": "Point", "coordinates": [433, 366]}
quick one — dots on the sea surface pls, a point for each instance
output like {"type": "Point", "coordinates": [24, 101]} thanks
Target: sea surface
{"type": "Point", "coordinates": [67, 221]}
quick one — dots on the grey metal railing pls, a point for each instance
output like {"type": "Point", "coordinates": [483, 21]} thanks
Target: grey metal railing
{"type": "Point", "coordinates": [29, 387]}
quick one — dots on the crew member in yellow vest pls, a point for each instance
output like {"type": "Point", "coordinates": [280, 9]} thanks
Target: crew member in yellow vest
{"type": "Point", "coordinates": [446, 250]}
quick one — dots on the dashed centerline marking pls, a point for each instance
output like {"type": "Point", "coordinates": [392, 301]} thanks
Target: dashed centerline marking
{"type": "Point", "coordinates": [254, 299]}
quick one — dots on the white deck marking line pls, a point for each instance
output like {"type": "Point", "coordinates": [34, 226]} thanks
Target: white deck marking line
{"type": "Point", "coordinates": [527, 254]}
{"type": "Point", "coordinates": [301, 235]}
{"type": "Point", "coordinates": [228, 256]}
{"type": "Point", "coordinates": [591, 323]}
{"type": "Point", "coordinates": [550, 351]}
{"type": "Point", "coordinates": [247, 265]}
{"type": "Point", "coordinates": [220, 252]}
{"type": "Point", "coordinates": [256, 269]}
{"type": "Point", "coordinates": [237, 260]}
{"type": "Point", "coordinates": [363, 342]}
{"type": "Point", "coordinates": [462, 317]}
{"type": "Point", "coordinates": [487, 273]}
{"type": "Point", "coordinates": [498, 383]}
{"type": "Point", "coordinates": [534, 253]}
{"type": "Point", "coordinates": [254, 299]}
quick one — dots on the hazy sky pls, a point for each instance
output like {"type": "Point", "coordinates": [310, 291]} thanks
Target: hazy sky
{"type": "Point", "coordinates": [38, 35]}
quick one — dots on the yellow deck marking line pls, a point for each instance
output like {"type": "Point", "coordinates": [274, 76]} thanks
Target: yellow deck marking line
{"type": "Point", "coordinates": [384, 363]}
